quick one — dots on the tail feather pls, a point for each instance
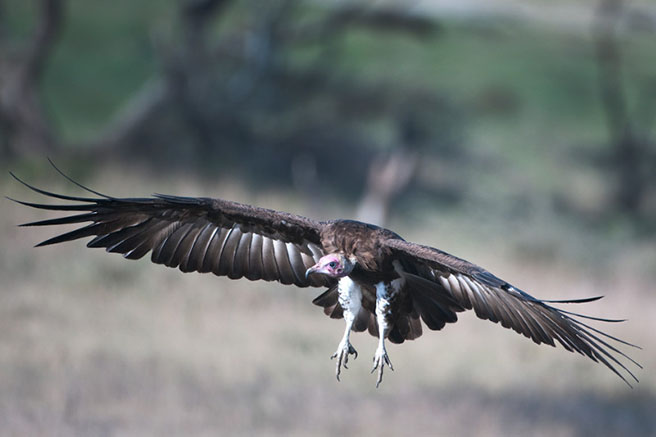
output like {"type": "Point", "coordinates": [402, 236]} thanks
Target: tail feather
{"type": "Point", "coordinates": [435, 307]}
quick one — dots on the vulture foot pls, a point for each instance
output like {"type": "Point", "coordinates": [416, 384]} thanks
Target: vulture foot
{"type": "Point", "coordinates": [342, 354]}
{"type": "Point", "coordinates": [380, 359]}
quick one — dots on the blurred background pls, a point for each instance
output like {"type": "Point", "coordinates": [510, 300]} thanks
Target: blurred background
{"type": "Point", "coordinates": [517, 135]}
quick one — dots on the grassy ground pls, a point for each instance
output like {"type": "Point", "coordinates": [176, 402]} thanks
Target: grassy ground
{"type": "Point", "coordinates": [91, 344]}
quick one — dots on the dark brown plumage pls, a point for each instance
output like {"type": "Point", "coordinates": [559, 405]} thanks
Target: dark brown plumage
{"type": "Point", "coordinates": [241, 241]}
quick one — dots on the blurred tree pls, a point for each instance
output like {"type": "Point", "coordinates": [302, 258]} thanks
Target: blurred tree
{"type": "Point", "coordinates": [232, 86]}
{"type": "Point", "coordinates": [632, 157]}
{"type": "Point", "coordinates": [24, 124]}
{"type": "Point", "coordinates": [253, 88]}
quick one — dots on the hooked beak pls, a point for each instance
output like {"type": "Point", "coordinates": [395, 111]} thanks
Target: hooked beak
{"type": "Point", "coordinates": [313, 269]}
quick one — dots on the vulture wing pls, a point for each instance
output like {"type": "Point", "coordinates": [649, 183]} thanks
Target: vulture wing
{"type": "Point", "coordinates": [495, 300]}
{"type": "Point", "coordinates": [195, 234]}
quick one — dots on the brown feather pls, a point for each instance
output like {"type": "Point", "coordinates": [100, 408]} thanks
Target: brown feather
{"type": "Point", "coordinates": [241, 257]}
{"type": "Point", "coordinates": [213, 252]}
{"type": "Point", "coordinates": [361, 321]}
{"type": "Point", "coordinates": [157, 254]}
{"type": "Point", "coordinates": [282, 261]}
{"type": "Point", "coordinates": [328, 298]}
{"type": "Point", "coordinates": [269, 259]}
{"type": "Point", "coordinates": [334, 312]}
{"type": "Point", "coordinates": [194, 260]}
{"type": "Point", "coordinates": [184, 248]}
{"type": "Point", "coordinates": [227, 253]}
{"type": "Point", "coordinates": [255, 265]}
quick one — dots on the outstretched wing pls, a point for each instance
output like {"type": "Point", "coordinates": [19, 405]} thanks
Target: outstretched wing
{"type": "Point", "coordinates": [195, 234]}
{"type": "Point", "coordinates": [495, 300]}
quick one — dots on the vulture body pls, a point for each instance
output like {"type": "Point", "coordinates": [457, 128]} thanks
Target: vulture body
{"type": "Point", "coordinates": [375, 280]}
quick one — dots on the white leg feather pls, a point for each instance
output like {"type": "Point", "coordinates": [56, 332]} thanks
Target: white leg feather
{"type": "Point", "coordinates": [384, 296]}
{"type": "Point", "coordinates": [350, 299]}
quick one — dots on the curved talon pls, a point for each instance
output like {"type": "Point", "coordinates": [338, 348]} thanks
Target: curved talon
{"type": "Point", "coordinates": [380, 359]}
{"type": "Point", "coordinates": [342, 355]}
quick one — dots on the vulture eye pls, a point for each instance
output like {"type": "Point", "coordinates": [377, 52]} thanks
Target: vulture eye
{"type": "Point", "coordinates": [332, 264]}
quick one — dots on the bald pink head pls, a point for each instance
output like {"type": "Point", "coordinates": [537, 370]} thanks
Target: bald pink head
{"type": "Point", "coordinates": [335, 265]}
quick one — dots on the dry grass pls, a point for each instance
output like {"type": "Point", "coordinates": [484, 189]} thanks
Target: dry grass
{"type": "Point", "coordinates": [91, 344]}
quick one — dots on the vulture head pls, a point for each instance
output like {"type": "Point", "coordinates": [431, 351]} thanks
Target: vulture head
{"type": "Point", "coordinates": [335, 265]}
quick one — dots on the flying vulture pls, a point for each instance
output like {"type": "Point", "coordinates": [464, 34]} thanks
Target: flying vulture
{"type": "Point", "coordinates": [374, 279]}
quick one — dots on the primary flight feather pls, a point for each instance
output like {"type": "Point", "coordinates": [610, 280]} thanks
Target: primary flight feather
{"type": "Point", "coordinates": [375, 280]}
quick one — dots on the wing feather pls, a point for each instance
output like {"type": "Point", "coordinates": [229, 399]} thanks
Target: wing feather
{"type": "Point", "coordinates": [170, 247]}
{"type": "Point", "coordinates": [240, 261]}
{"type": "Point", "coordinates": [129, 241]}
{"type": "Point", "coordinates": [194, 234]}
{"type": "Point", "coordinates": [181, 257]}
{"type": "Point", "coordinates": [156, 255]}
{"type": "Point", "coordinates": [194, 259]}
{"type": "Point", "coordinates": [282, 261]}
{"type": "Point", "coordinates": [269, 259]}
{"type": "Point", "coordinates": [227, 253]}
{"type": "Point", "coordinates": [494, 299]}
{"type": "Point", "coordinates": [255, 263]}
{"type": "Point", "coordinates": [213, 253]}
{"type": "Point", "coordinates": [296, 261]}
{"type": "Point", "coordinates": [147, 240]}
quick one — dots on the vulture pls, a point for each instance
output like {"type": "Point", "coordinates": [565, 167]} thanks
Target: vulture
{"type": "Point", "coordinates": [373, 279]}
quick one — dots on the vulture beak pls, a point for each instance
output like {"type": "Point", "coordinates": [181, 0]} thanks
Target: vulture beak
{"type": "Point", "coordinates": [311, 270]}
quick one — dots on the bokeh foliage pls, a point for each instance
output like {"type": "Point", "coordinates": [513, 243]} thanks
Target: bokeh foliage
{"type": "Point", "coordinates": [489, 103]}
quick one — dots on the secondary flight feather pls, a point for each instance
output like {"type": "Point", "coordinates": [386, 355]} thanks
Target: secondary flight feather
{"type": "Point", "coordinates": [374, 279]}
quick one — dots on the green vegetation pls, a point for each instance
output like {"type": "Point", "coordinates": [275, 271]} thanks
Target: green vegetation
{"type": "Point", "coordinates": [107, 51]}
{"type": "Point", "coordinates": [528, 92]}
{"type": "Point", "coordinates": [105, 54]}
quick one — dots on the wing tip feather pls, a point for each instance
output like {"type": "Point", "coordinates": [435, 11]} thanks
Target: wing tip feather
{"type": "Point", "coordinates": [581, 300]}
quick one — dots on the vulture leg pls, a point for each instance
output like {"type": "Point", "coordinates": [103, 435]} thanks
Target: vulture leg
{"type": "Point", "coordinates": [350, 299]}
{"type": "Point", "coordinates": [385, 294]}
